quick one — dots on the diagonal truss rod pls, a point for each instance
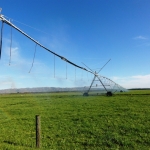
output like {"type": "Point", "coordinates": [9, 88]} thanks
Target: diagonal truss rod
{"type": "Point", "coordinates": [2, 18]}
{"type": "Point", "coordinates": [91, 84]}
{"type": "Point", "coordinates": [102, 83]}
{"type": "Point", "coordinates": [104, 66]}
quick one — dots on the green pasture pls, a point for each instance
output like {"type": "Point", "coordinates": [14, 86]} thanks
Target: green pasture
{"type": "Point", "coordinates": [70, 121]}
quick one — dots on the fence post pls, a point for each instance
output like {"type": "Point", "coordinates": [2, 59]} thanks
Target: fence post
{"type": "Point", "coordinates": [38, 131]}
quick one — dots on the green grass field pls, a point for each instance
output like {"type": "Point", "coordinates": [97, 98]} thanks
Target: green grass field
{"type": "Point", "coordinates": [71, 121]}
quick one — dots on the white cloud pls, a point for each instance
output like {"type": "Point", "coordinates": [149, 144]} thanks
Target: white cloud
{"type": "Point", "coordinates": [140, 37]}
{"type": "Point", "coordinates": [137, 81]}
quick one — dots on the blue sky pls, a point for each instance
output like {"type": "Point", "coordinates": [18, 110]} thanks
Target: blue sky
{"type": "Point", "coordinates": [88, 31]}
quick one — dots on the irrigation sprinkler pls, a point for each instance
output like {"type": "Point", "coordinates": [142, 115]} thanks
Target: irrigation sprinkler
{"type": "Point", "coordinates": [96, 76]}
{"type": "Point", "coordinates": [101, 79]}
{"type": "Point", "coordinates": [105, 82]}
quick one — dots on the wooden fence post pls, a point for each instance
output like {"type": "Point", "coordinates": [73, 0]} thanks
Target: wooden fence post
{"type": "Point", "coordinates": [38, 131]}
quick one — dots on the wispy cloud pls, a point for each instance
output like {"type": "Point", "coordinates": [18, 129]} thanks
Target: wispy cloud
{"type": "Point", "coordinates": [7, 82]}
{"type": "Point", "coordinates": [137, 81]}
{"type": "Point", "coordinates": [140, 38]}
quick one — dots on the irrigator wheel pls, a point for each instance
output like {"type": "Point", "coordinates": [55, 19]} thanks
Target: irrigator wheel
{"type": "Point", "coordinates": [109, 93]}
{"type": "Point", "coordinates": [85, 94]}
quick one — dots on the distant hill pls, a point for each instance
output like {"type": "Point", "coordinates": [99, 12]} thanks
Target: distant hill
{"type": "Point", "coordinates": [50, 89]}
{"type": "Point", "coordinates": [139, 89]}
{"type": "Point", "coordinates": [40, 90]}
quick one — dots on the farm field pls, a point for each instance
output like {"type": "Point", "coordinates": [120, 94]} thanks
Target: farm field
{"type": "Point", "coordinates": [70, 121]}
